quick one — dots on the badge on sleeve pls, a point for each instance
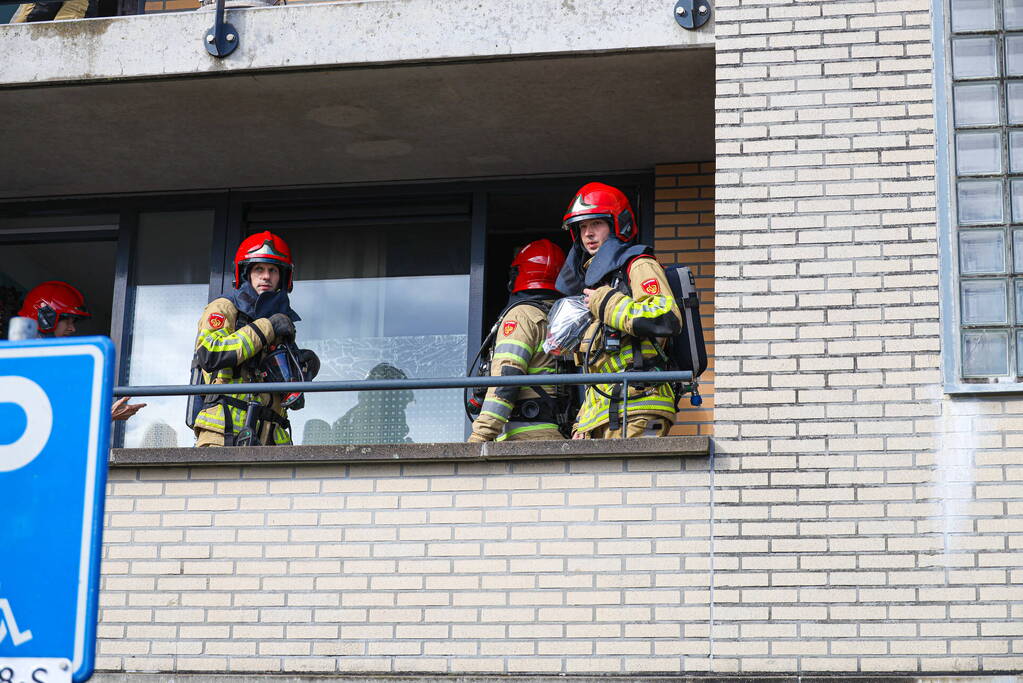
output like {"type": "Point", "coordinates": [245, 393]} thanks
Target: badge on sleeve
{"type": "Point", "coordinates": [651, 286]}
{"type": "Point", "coordinates": [509, 327]}
{"type": "Point", "coordinates": [216, 321]}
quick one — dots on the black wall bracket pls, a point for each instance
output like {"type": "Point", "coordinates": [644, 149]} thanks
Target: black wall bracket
{"type": "Point", "coordinates": [222, 39]}
{"type": "Point", "coordinates": [692, 14]}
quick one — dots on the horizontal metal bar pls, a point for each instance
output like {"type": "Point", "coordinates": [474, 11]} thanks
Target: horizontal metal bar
{"type": "Point", "coordinates": [389, 384]}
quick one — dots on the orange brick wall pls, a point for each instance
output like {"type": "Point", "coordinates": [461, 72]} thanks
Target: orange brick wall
{"type": "Point", "coordinates": [684, 234]}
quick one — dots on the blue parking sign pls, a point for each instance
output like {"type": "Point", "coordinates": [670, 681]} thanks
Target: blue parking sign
{"type": "Point", "coordinates": [54, 446]}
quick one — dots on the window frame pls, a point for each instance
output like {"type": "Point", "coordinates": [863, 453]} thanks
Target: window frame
{"type": "Point", "coordinates": [946, 177]}
{"type": "Point", "coordinates": [229, 219]}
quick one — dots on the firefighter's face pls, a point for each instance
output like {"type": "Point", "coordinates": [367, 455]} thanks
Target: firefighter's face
{"type": "Point", "coordinates": [65, 327]}
{"type": "Point", "coordinates": [593, 233]}
{"type": "Point", "coordinates": [265, 277]}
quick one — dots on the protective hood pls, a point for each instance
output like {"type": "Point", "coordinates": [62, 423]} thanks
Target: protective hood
{"type": "Point", "coordinates": [531, 295]}
{"type": "Point", "coordinates": [612, 255]}
{"type": "Point", "coordinates": [255, 306]}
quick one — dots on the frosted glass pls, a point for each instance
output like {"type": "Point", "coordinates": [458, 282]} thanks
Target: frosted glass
{"type": "Point", "coordinates": [1014, 91]}
{"type": "Point", "coordinates": [985, 354]}
{"type": "Point", "coordinates": [976, 104]}
{"type": "Point", "coordinates": [978, 153]}
{"type": "Point", "coordinates": [975, 57]}
{"type": "Point", "coordinates": [980, 201]}
{"type": "Point", "coordinates": [981, 251]}
{"type": "Point", "coordinates": [1014, 55]}
{"type": "Point", "coordinates": [973, 15]}
{"type": "Point", "coordinates": [984, 302]}
{"type": "Point", "coordinates": [1013, 13]}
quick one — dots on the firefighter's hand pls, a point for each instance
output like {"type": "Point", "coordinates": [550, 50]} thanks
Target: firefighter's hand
{"type": "Point", "coordinates": [587, 293]}
{"type": "Point", "coordinates": [578, 435]}
{"type": "Point", "coordinates": [284, 329]}
{"type": "Point", "coordinates": [310, 363]}
{"type": "Point", "coordinates": [476, 438]}
{"type": "Point", "coordinates": [122, 411]}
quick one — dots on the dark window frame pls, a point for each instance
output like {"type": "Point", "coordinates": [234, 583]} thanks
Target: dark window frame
{"type": "Point", "coordinates": [230, 208]}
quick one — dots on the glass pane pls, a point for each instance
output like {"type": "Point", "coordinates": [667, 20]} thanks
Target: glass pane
{"type": "Point", "coordinates": [1018, 284]}
{"type": "Point", "coordinates": [171, 291]}
{"type": "Point", "coordinates": [984, 302]}
{"type": "Point", "coordinates": [981, 251]}
{"type": "Point", "coordinates": [976, 104]}
{"type": "Point", "coordinates": [980, 201]}
{"type": "Point", "coordinates": [390, 302]}
{"type": "Point", "coordinates": [1019, 351]}
{"type": "Point", "coordinates": [1013, 14]}
{"type": "Point", "coordinates": [1016, 189]}
{"type": "Point", "coordinates": [1017, 251]}
{"type": "Point", "coordinates": [973, 15]}
{"type": "Point", "coordinates": [1015, 94]}
{"type": "Point", "coordinates": [985, 354]}
{"type": "Point", "coordinates": [978, 153]}
{"type": "Point", "coordinates": [974, 58]}
{"type": "Point", "coordinates": [1016, 151]}
{"type": "Point", "coordinates": [1014, 55]}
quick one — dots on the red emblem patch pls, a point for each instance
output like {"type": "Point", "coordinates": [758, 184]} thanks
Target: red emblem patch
{"type": "Point", "coordinates": [651, 286]}
{"type": "Point", "coordinates": [509, 327]}
{"type": "Point", "coordinates": [215, 321]}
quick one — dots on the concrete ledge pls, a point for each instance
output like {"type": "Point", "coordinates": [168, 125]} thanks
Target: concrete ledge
{"type": "Point", "coordinates": [673, 446]}
{"type": "Point", "coordinates": [328, 35]}
{"type": "Point", "coordinates": [540, 678]}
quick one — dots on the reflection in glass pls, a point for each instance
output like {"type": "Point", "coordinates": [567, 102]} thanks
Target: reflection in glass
{"type": "Point", "coordinates": [1014, 55]}
{"type": "Point", "coordinates": [976, 104]}
{"type": "Point", "coordinates": [171, 291]}
{"type": "Point", "coordinates": [392, 303]}
{"type": "Point", "coordinates": [973, 15]}
{"type": "Point", "coordinates": [1013, 13]}
{"type": "Point", "coordinates": [980, 201]}
{"type": "Point", "coordinates": [985, 353]}
{"type": "Point", "coordinates": [981, 251]}
{"type": "Point", "coordinates": [984, 302]}
{"type": "Point", "coordinates": [974, 57]}
{"type": "Point", "coordinates": [1014, 91]}
{"type": "Point", "coordinates": [978, 153]}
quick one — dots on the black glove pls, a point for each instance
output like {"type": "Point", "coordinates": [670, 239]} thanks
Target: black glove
{"type": "Point", "coordinates": [310, 363]}
{"type": "Point", "coordinates": [284, 329]}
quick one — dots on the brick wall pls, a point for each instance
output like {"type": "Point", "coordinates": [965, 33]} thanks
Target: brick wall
{"type": "Point", "coordinates": [684, 233]}
{"type": "Point", "coordinates": [568, 566]}
{"type": "Point", "coordinates": [867, 522]}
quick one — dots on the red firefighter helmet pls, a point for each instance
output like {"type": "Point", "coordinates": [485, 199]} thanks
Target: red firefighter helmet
{"type": "Point", "coordinates": [263, 247]}
{"type": "Point", "coordinates": [49, 302]}
{"type": "Point", "coordinates": [597, 200]}
{"type": "Point", "coordinates": [536, 266]}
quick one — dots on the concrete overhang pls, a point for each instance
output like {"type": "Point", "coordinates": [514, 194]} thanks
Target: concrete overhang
{"type": "Point", "coordinates": [356, 92]}
{"type": "Point", "coordinates": [340, 34]}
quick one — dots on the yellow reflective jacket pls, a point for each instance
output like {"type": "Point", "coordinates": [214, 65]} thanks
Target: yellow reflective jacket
{"type": "Point", "coordinates": [518, 350]}
{"type": "Point", "coordinates": [649, 313]}
{"type": "Point", "coordinates": [224, 350]}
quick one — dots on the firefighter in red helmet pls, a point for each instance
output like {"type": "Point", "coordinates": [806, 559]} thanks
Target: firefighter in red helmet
{"type": "Point", "coordinates": [57, 307]}
{"type": "Point", "coordinates": [236, 334]}
{"type": "Point", "coordinates": [633, 310]}
{"type": "Point", "coordinates": [521, 413]}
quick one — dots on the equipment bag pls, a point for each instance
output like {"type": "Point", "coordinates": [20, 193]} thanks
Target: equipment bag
{"type": "Point", "coordinates": [687, 350]}
{"type": "Point", "coordinates": [195, 401]}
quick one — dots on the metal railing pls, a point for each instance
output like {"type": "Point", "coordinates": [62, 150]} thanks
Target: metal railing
{"type": "Point", "coordinates": [624, 378]}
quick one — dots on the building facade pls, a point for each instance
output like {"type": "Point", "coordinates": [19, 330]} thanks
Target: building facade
{"type": "Point", "coordinates": [845, 502]}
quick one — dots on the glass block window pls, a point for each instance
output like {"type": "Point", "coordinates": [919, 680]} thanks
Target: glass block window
{"type": "Point", "coordinates": [985, 47]}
